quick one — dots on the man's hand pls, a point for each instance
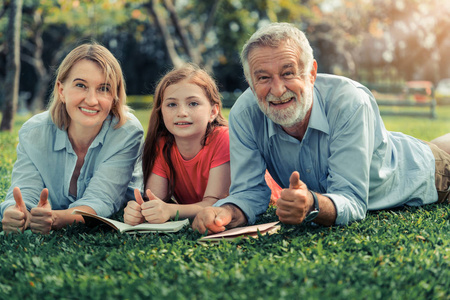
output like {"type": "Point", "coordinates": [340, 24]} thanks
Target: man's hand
{"type": "Point", "coordinates": [295, 202]}
{"type": "Point", "coordinates": [133, 212]}
{"type": "Point", "coordinates": [214, 219]}
{"type": "Point", "coordinates": [16, 217]}
{"type": "Point", "coordinates": [155, 210]}
{"type": "Point", "coordinates": [41, 216]}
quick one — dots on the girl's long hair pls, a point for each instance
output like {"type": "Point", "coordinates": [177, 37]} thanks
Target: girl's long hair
{"type": "Point", "coordinates": [157, 130]}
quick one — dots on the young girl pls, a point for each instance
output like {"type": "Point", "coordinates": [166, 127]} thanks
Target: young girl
{"type": "Point", "coordinates": [186, 152]}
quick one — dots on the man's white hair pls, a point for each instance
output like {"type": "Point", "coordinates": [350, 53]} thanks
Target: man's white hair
{"type": "Point", "coordinates": [273, 35]}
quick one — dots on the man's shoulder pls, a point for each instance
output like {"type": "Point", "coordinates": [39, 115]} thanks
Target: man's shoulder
{"type": "Point", "coordinates": [329, 82]}
{"type": "Point", "coordinates": [339, 90]}
{"type": "Point", "coordinates": [246, 104]}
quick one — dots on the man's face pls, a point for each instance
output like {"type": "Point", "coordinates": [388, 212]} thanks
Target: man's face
{"type": "Point", "coordinates": [282, 86]}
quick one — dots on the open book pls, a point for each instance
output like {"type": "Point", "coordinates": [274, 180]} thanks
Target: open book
{"type": "Point", "coordinates": [244, 232]}
{"type": "Point", "coordinates": [171, 226]}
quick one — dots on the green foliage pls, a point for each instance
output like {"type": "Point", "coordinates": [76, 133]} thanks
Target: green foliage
{"type": "Point", "coordinates": [394, 254]}
{"type": "Point", "coordinates": [140, 101]}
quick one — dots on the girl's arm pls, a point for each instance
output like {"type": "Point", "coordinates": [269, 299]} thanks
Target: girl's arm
{"type": "Point", "coordinates": [157, 211]}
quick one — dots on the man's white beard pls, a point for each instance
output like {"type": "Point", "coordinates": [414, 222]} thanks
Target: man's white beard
{"type": "Point", "coordinates": [291, 115]}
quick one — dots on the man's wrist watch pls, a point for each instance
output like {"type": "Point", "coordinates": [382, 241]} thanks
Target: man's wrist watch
{"type": "Point", "coordinates": [313, 214]}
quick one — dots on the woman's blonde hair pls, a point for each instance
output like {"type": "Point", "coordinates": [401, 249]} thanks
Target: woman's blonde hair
{"type": "Point", "coordinates": [114, 76]}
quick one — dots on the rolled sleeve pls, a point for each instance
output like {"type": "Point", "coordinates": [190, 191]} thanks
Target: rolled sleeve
{"type": "Point", "coordinates": [248, 190]}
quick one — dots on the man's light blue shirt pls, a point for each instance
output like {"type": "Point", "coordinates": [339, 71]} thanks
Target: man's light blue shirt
{"type": "Point", "coordinates": [46, 159]}
{"type": "Point", "coordinates": [346, 154]}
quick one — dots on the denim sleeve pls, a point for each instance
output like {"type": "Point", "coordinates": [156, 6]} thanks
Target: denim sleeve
{"type": "Point", "coordinates": [248, 190]}
{"type": "Point", "coordinates": [351, 147]}
{"type": "Point", "coordinates": [27, 177]}
{"type": "Point", "coordinates": [107, 189]}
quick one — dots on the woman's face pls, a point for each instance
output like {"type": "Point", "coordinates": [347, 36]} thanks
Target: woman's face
{"type": "Point", "coordinates": [87, 96]}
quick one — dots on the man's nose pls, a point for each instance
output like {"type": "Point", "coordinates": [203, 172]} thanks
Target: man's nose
{"type": "Point", "coordinates": [278, 88]}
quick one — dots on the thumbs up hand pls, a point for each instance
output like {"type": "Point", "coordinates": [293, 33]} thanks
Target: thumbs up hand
{"type": "Point", "coordinates": [133, 212]}
{"type": "Point", "coordinates": [155, 210]}
{"type": "Point", "coordinates": [295, 202]}
{"type": "Point", "coordinates": [16, 217]}
{"type": "Point", "coordinates": [41, 216]}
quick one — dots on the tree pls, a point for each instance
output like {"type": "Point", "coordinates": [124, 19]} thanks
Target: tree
{"type": "Point", "coordinates": [13, 65]}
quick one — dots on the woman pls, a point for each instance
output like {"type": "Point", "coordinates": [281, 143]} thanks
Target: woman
{"type": "Point", "coordinates": [80, 153]}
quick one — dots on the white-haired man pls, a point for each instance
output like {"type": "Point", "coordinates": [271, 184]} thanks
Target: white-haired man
{"type": "Point", "coordinates": [322, 139]}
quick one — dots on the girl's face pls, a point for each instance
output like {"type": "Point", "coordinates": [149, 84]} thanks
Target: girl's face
{"type": "Point", "coordinates": [187, 111]}
{"type": "Point", "coordinates": [87, 96]}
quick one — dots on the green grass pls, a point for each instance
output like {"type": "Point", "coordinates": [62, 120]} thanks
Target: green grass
{"type": "Point", "coordinates": [394, 254]}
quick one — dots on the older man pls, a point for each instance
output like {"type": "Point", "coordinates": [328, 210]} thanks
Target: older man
{"type": "Point", "coordinates": [322, 138]}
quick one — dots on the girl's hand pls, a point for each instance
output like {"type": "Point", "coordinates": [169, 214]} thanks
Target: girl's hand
{"type": "Point", "coordinates": [155, 210]}
{"type": "Point", "coordinates": [16, 217]}
{"type": "Point", "coordinates": [133, 212]}
{"type": "Point", "coordinates": [41, 216]}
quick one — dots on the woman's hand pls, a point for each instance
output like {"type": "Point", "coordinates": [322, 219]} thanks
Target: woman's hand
{"type": "Point", "coordinates": [16, 217]}
{"type": "Point", "coordinates": [41, 220]}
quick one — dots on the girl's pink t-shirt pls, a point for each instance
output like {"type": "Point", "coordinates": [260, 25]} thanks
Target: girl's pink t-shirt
{"type": "Point", "coordinates": [192, 175]}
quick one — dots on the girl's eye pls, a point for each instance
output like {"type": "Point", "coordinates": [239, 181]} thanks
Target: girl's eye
{"type": "Point", "coordinates": [171, 104]}
{"type": "Point", "coordinates": [193, 103]}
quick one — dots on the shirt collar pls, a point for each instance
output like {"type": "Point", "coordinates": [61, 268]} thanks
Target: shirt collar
{"type": "Point", "coordinates": [317, 121]}
{"type": "Point", "coordinates": [62, 138]}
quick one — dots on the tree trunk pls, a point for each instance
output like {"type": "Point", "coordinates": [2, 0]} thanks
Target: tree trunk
{"type": "Point", "coordinates": [12, 66]}
{"type": "Point", "coordinates": [168, 40]}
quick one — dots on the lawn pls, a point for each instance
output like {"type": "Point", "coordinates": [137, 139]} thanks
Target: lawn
{"type": "Point", "coordinates": [394, 254]}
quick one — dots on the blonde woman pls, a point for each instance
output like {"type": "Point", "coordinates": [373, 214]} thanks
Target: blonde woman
{"type": "Point", "coordinates": [80, 153]}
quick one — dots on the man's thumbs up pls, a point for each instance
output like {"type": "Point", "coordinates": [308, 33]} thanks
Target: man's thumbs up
{"type": "Point", "coordinates": [294, 180]}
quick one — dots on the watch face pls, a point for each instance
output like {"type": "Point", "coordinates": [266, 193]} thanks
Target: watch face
{"type": "Point", "coordinates": [311, 216]}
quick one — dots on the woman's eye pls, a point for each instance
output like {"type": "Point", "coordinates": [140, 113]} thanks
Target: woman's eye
{"type": "Point", "coordinates": [171, 105]}
{"type": "Point", "coordinates": [105, 89]}
{"type": "Point", "coordinates": [193, 103]}
{"type": "Point", "coordinates": [80, 85]}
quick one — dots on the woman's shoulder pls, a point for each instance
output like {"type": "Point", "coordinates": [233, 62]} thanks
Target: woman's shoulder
{"type": "Point", "coordinates": [37, 123]}
{"type": "Point", "coordinates": [132, 124]}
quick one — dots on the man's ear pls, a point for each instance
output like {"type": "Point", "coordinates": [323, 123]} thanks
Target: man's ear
{"type": "Point", "coordinates": [313, 73]}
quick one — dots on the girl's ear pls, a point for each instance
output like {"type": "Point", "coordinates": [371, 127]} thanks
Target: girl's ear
{"type": "Point", "coordinates": [214, 112]}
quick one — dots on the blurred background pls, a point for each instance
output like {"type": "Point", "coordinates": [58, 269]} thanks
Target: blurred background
{"type": "Point", "coordinates": [382, 43]}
